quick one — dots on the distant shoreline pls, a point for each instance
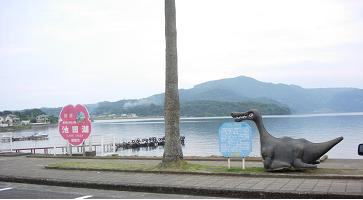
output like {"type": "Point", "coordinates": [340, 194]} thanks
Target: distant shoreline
{"type": "Point", "coordinates": [24, 127]}
{"type": "Point", "coordinates": [14, 128]}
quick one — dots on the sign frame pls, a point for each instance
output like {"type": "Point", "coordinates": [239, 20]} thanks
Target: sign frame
{"type": "Point", "coordinates": [246, 139]}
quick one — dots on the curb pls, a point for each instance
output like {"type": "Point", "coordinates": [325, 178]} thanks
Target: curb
{"type": "Point", "coordinates": [13, 154]}
{"type": "Point", "coordinates": [179, 190]}
{"type": "Point", "coordinates": [250, 159]}
{"type": "Point", "coordinates": [354, 177]}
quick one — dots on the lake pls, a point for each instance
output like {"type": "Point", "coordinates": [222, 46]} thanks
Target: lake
{"type": "Point", "coordinates": [202, 133]}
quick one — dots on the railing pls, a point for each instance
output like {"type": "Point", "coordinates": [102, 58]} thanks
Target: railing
{"type": "Point", "coordinates": [101, 144]}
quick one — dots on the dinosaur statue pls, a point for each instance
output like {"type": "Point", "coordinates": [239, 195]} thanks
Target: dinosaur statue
{"type": "Point", "coordinates": [286, 153]}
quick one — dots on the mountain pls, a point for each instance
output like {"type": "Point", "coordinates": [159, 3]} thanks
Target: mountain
{"type": "Point", "coordinates": [220, 97]}
{"type": "Point", "coordinates": [202, 108]}
{"type": "Point", "coordinates": [298, 99]}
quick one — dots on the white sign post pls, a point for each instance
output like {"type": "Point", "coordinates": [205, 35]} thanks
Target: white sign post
{"type": "Point", "coordinates": [243, 163]}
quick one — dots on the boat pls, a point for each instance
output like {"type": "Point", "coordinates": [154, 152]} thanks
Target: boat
{"type": "Point", "coordinates": [5, 138]}
{"type": "Point", "coordinates": [35, 136]}
{"type": "Point", "coordinates": [38, 136]}
{"type": "Point", "coordinates": [152, 143]}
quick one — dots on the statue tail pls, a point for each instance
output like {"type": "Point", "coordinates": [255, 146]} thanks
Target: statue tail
{"type": "Point", "coordinates": [315, 150]}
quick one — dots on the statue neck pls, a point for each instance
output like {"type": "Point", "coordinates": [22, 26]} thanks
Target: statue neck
{"type": "Point", "coordinates": [264, 135]}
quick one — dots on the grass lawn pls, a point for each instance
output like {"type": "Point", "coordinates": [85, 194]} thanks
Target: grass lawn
{"type": "Point", "coordinates": [185, 167]}
{"type": "Point", "coordinates": [191, 167]}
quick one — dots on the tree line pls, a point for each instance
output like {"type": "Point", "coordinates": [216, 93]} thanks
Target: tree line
{"type": "Point", "coordinates": [28, 115]}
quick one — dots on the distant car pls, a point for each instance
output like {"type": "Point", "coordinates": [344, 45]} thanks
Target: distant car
{"type": "Point", "coordinates": [360, 149]}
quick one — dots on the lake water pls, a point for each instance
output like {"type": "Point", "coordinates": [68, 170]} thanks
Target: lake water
{"type": "Point", "coordinates": [202, 133]}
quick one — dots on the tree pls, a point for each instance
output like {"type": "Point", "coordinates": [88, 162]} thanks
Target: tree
{"type": "Point", "coordinates": [172, 149]}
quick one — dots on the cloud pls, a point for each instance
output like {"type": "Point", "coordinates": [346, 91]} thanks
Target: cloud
{"type": "Point", "coordinates": [10, 51]}
{"type": "Point", "coordinates": [115, 49]}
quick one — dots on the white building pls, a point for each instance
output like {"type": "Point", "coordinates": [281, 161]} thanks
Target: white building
{"type": "Point", "coordinates": [42, 119]}
{"type": "Point", "coordinates": [12, 120]}
{"type": "Point", "coordinates": [3, 122]}
{"type": "Point", "coordinates": [25, 122]}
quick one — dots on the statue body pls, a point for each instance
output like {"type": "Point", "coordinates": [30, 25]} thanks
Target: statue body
{"type": "Point", "coordinates": [286, 153]}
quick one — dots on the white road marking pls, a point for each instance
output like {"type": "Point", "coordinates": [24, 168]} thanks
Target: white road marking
{"type": "Point", "coordinates": [3, 189]}
{"type": "Point", "coordinates": [84, 197]}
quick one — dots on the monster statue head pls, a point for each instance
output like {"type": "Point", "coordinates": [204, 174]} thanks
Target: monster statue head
{"type": "Point", "coordinates": [252, 114]}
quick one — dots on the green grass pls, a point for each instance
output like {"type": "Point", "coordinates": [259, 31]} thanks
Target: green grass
{"type": "Point", "coordinates": [99, 166]}
{"type": "Point", "coordinates": [334, 171]}
{"type": "Point", "coordinates": [183, 167]}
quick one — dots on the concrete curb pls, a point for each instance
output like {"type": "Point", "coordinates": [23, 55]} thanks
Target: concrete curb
{"type": "Point", "coordinates": [250, 159]}
{"type": "Point", "coordinates": [231, 193]}
{"type": "Point", "coordinates": [274, 175]}
{"type": "Point", "coordinates": [12, 154]}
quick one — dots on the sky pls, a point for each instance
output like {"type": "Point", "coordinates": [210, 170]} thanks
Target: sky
{"type": "Point", "coordinates": [54, 53]}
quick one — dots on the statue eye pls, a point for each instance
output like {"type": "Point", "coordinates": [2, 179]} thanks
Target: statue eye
{"type": "Point", "coordinates": [250, 115]}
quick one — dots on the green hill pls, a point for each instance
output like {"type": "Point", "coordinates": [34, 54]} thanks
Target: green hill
{"type": "Point", "coordinates": [298, 99]}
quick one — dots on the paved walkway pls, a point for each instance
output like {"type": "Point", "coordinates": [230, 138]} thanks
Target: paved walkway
{"type": "Point", "coordinates": [30, 169]}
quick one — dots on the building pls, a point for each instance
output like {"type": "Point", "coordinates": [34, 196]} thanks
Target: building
{"type": "Point", "coordinates": [25, 122]}
{"type": "Point", "coordinates": [3, 122]}
{"type": "Point", "coordinates": [44, 119]}
{"type": "Point", "coordinates": [132, 115]}
{"type": "Point", "coordinates": [12, 120]}
{"type": "Point", "coordinates": [3, 125]}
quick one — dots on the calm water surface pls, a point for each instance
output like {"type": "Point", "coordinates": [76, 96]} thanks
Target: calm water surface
{"type": "Point", "coordinates": [202, 133]}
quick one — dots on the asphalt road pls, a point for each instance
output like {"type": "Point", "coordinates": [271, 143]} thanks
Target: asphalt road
{"type": "Point", "coordinates": [31, 191]}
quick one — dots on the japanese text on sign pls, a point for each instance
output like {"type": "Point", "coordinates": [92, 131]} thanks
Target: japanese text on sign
{"type": "Point", "coordinates": [235, 139]}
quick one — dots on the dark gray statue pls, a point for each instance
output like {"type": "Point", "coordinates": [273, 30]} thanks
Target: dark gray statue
{"type": "Point", "coordinates": [286, 153]}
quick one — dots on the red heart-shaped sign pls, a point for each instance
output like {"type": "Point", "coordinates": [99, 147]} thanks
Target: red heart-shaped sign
{"type": "Point", "coordinates": [74, 124]}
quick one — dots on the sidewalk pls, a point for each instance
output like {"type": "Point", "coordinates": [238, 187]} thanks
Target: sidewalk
{"type": "Point", "coordinates": [31, 170]}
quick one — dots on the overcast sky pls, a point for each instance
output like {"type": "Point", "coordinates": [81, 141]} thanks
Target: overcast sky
{"type": "Point", "coordinates": [53, 53]}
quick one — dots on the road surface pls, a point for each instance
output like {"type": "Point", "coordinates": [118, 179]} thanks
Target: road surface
{"type": "Point", "coordinates": [31, 191]}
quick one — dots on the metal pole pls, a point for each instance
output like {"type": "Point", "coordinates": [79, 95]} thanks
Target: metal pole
{"type": "Point", "coordinates": [11, 142]}
{"type": "Point", "coordinates": [114, 144]}
{"type": "Point", "coordinates": [84, 148]}
{"type": "Point", "coordinates": [54, 150]}
{"type": "Point", "coordinates": [243, 163]}
{"type": "Point", "coordinates": [90, 144]}
{"type": "Point", "coordinates": [70, 149]}
{"type": "Point", "coordinates": [229, 163]}
{"type": "Point", "coordinates": [102, 146]}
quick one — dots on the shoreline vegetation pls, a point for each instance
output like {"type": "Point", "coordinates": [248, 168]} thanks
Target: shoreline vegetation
{"type": "Point", "coordinates": [23, 127]}
{"type": "Point", "coordinates": [227, 116]}
{"type": "Point", "coordinates": [15, 128]}
{"type": "Point", "coordinates": [187, 109]}
{"type": "Point", "coordinates": [124, 110]}
{"type": "Point", "coordinates": [200, 108]}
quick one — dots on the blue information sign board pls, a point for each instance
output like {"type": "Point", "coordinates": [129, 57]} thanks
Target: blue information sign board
{"type": "Point", "coordinates": [235, 139]}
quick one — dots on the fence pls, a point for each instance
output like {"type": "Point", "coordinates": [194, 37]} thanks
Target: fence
{"type": "Point", "coordinates": [101, 144]}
